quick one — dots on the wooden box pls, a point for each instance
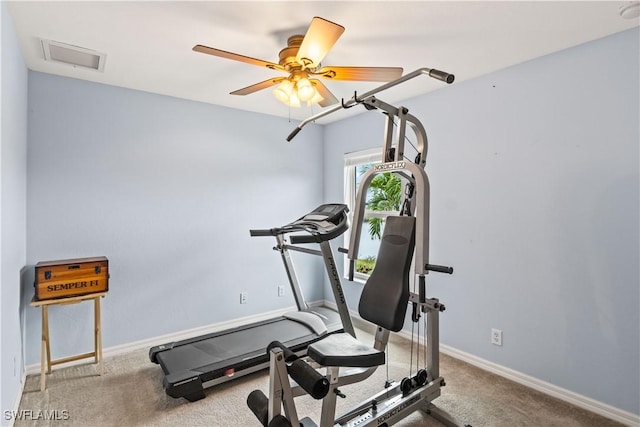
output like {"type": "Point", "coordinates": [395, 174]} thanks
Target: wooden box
{"type": "Point", "coordinates": [71, 277]}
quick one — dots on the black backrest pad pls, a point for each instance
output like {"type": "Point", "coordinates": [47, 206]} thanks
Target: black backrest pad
{"type": "Point", "coordinates": [385, 296]}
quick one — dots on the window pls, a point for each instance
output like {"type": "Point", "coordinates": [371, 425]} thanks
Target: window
{"type": "Point", "coordinates": [384, 197]}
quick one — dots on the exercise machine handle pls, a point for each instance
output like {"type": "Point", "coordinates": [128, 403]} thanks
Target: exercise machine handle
{"type": "Point", "coordinates": [442, 75]}
{"type": "Point", "coordinates": [298, 239]}
{"type": "Point", "coordinates": [352, 263]}
{"type": "Point", "coordinates": [269, 232]}
{"type": "Point", "coordinates": [293, 134]}
{"type": "Point", "coordinates": [439, 268]}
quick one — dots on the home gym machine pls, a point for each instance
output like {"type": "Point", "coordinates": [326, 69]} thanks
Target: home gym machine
{"type": "Point", "coordinates": [194, 364]}
{"type": "Point", "coordinates": [384, 302]}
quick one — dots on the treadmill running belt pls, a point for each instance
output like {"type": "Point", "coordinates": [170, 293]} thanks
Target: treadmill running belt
{"type": "Point", "coordinates": [192, 357]}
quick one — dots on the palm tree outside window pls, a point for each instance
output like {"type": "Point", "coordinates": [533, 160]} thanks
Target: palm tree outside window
{"type": "Point", "coordinates": [384, 197]}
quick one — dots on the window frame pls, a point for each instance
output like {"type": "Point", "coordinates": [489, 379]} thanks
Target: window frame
{"type": "Point", "coordinates": [352, 161]}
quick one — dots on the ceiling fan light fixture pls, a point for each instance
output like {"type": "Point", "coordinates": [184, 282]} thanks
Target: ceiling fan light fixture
{"type": "Point", "coordinates": [284, 91]}
{"type": "Point", "coordinates": [305, 89]}
{"type": "Point", "coordinates": [294, 101]}
{"type": "Point", "coordinates": [291, 94]}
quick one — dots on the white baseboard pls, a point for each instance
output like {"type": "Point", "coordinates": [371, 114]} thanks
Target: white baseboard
{"type": "Point", "coordinates": [172, 337]}
{"type": "Point", "coordinates": [576, 399]}
{"type": "Point", "coordinates": [16, 405]}
{"type": "Point", "coordinates": [584, 402]}
{"type": "Point", "coordinates": [603, 409]}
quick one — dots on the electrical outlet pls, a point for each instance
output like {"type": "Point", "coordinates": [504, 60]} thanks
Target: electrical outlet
{"type": "Point", "coordinates": [496, 337]}
{"type": "Point", "coordinates": [280, 291]}
{"type": "Point", "coordinates": [243, 297]}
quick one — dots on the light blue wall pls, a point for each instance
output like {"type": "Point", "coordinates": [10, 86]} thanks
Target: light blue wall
{"type": "Point", "coordinates": [534, 174]}
{"type": "Point", "coordinates": [13, 184]}
{"type": "Point", "coordinates": [535, 196]}
{"type": "Point", "coordinates": [167, 190]}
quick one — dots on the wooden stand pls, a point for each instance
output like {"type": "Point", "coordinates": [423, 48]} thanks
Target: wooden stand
{"type": "Point", "coordinates": [45, 356]}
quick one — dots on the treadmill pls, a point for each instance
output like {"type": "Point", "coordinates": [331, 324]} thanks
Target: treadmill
{"type": "Point", "coordinates": [194, 364]}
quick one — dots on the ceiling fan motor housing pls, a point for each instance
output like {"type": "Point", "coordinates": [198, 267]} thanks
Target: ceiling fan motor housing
{"type": "Point", "coordinates": [288, 54]}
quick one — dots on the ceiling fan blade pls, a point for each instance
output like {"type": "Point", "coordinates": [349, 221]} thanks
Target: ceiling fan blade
{"type": "Point", "coordinates": [318, 40]}
{"type": "Point", "coordinates": [236, 57]}
{"type": "Point", "coordinates": [258, 86]}
{"type": "Point", "coordinates": [369, 74]}
{"type": "Point", "coordinates": [328, 97]}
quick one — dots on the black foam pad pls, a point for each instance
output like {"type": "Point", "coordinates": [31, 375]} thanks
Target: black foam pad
{"type": "Point", "coordinates": [385, 295]}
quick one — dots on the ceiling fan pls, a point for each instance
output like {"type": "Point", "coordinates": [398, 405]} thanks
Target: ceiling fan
{"type": "Point", "coordinates": [301, 61]}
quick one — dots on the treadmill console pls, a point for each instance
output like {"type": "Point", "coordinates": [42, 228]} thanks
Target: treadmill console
{"type": "Point", "coordinates": [325, 217]}
{"type": "Point", "coordinates": [326, 222]}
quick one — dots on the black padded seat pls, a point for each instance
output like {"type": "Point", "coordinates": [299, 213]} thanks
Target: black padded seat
{"type": "Point", "coordinates": [345, 350]}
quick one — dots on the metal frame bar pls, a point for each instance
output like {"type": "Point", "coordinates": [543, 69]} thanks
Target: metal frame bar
{"type": "Point", "coordinates": [332, 271]}
{"type": "Point", "coordinates": [280, 394]}
{"type": "Point", "coordinates": [291, 273]}
{"type": "Point", "coordinates": [301, 249]}
{"type": "Point", "coordinates": [422, 192]}
{"type": "Point", "coordinates": [431, 72]}
{"type": "Point", "coordinates": [336, 287]}
{"type": "Point", "coordinates": [402, 167]}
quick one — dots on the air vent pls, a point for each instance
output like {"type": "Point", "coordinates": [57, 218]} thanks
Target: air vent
{"type": "Point", "coordinates": [73, 55]}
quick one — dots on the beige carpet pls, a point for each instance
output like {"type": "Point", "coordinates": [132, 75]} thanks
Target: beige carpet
{"type": "Point", "coordinates": [131, 394]}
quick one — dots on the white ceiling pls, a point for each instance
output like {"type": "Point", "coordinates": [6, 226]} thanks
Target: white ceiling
{"type": "Point", "coordinates": [148, 44]}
